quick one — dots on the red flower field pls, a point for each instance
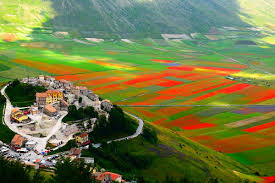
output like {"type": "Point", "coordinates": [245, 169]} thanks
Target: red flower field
{"type": "Point", "coordinates": [199, 126]}
{"type": "Point", "coordinates": [260, 127]}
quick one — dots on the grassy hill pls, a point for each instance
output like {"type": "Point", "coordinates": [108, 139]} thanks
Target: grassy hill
{"type": "Point", "coordinates": [173, 155]}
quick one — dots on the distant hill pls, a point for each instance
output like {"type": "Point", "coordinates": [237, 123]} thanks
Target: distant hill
{"type": "Point", "coordinates": [136, 18]}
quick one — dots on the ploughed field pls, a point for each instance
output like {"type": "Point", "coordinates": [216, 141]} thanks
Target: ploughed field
{"type": "Point", "coordinates": [177, 85]}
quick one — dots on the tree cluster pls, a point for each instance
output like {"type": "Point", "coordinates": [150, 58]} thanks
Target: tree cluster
{"type": "Point", "coordinates": [68, 171]}
{"type": "Point", "coordinates": [14, 172]}
{"type": "Point", "coordinates": [22, 94]}
{"type": "Point", "coordinates": [150, 135]}
{"type": "Point", "coordinates": [112, 157]}
{"type": "Point", "coordinates": [75, 114]}
{"type": "Point", "coordinates": [117, 123]}
{"type": "Point", "coordinates": [6, 134]}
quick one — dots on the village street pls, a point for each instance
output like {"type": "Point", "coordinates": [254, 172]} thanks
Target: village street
{"type": "Point", "coordinates": [40, 142]}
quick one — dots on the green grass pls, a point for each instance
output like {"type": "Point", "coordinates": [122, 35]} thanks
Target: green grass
{"type": "Point", "coordinates": [260, 159]}
{"type": "Point", "coordinates": [189, 161]}
{"type": "Point", "coordinates": [227, 117]}
{"type": "Point", "coordinates": [6, 135]}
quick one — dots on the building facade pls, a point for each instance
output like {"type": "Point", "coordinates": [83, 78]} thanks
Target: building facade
{"type": "Point", "coordinates": [18, 116]}
{"type": "Point", "coordinates": [17, 142]}
{"type": "Point", "coordinates": [50, 110]}
{"type": "Point", "coordinates": [41, 99]}
{"type": "Point", "coordinates": [82, 139]}
{"type": "Point", "coordinates": [48, 97]}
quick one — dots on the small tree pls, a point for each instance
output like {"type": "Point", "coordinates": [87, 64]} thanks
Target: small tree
{"type": "Point", "coordinates": [150, 135]}
{"type": "Point", "coordinates": [72, 172]}
{"type": "Point", "coordinates": [80, 100]}
{"type": "Point", "coordinates": [91, 112]}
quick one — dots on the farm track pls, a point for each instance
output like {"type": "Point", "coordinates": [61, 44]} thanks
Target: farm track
{"type": "Point", "coordinates": [255, 119]}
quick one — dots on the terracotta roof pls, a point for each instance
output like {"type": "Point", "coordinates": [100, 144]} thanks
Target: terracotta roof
{"type": "Point", "coordinates": [14, 110]}
{"type": "Point", "coordinates": [50, 108]}
{"type": "Point", "coordinates": [63, 81]}
{"type": "Point", "coordinates": [65, 103]}
{"type": "Point", "coordinates": [83, 135]}
{"type": "Point", "coordinates": [75, 151]}
{"type": "Point", "coordinates": [41, 94]}
{"type": "Point", "coordinates": [83, 88]}
{"type": "Point", "coordinates": [53, 91]}
{"type": "Point", "coordinates": [114, 176]}
{"type": "Point", "coordinates": [17, 140]}
{"type": "Point", "coordinates": [106, 100]}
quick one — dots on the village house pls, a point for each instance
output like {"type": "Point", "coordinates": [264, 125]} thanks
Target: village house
{"type": "Point", "coordinates": [54, 96]}
{"type": "Point", "coordinates": [109, 177]}
{"type": "Point", "coordinates": [52, 85]}
{"type": "Point", "coordinates": [92, 96]}
{"type": "Point", "coordinates": [46, 84]}
{"type": "Point", "coordinates": [33, 81]}
{"type": "Point", "coordinates": [82, 139]}
{"type": "Point", "coordinates": [18, 116]}
{"type": "Point", "coordinates": [75, 152]}
{"type": "Point", "coordinates": [41, 78]}
{"type": "Point", "coordinates": [41, 99]}
{"type": "Point", "coordinates": [64, 105]}
{"type": "Point", "coordinates": [106, 105]}
{"type": "Point", "coordinates": [48, 97]}
{"type": "Point", "coordinates": [49, 78]}
{"type": "Point", "coordinates": [64, 83]}
{"type": "Point", "coordinates": [87, 160]}
{"type": "Point", "coordinates": [55, 142]}
{"type": "Point", "coordinates": [76, 91]}
{"type": "Point", "coordinates": [68, 89]}
{"type": "Point", "coordinates": [50, 110]}
{"type": "Point", "coordinates": [71, 129]}
{"type": "Point", "coordinates": [30, 144]}
{"type": "Point", "coordinates": [17, 142]}
{"type": "Point", "coordinates": [83, 90]}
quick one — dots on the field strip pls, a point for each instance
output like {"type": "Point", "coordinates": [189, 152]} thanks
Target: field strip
{"type": "Point", "coordinates": [250, 120]}
{"type": "Point", "coordinates": [260, 127]}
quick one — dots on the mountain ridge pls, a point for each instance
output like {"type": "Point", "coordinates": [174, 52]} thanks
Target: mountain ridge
{"type": "Point", "coordinates": [133, 18]}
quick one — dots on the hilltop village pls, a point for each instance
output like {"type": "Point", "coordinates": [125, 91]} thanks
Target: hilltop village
{"type": "Point", "coordinates": [44, 117]}
{"type": "Point", "coordinates": [49, 124]}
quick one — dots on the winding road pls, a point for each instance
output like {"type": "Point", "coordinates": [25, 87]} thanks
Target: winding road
{"type": "Point", "coordinates": [136, 134]}
{"type": "Point", "coordinates": [41, 142]}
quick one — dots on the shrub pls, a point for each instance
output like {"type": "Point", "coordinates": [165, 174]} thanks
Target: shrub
{"type": "Point", "coordinates": [150, 135]}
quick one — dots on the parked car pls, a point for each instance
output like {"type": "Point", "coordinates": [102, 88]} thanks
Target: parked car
{"type": "Point", "coordinates": [26, 112]}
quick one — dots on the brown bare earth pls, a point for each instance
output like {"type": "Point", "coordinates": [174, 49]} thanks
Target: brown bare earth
{"type": "Point", "coordinates": [250, 120]}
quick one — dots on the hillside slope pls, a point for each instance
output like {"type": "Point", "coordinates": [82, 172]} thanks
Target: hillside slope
{"type": "Point", "coordinates": [132, 18]}
{"type": "Point", "coordinates": [173, 156]}
{"type": "Point", "coordinates": [143, 17]}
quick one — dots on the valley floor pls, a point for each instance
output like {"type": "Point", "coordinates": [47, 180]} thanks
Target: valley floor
{"type": "Point", "coordinates": [216, 92]}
